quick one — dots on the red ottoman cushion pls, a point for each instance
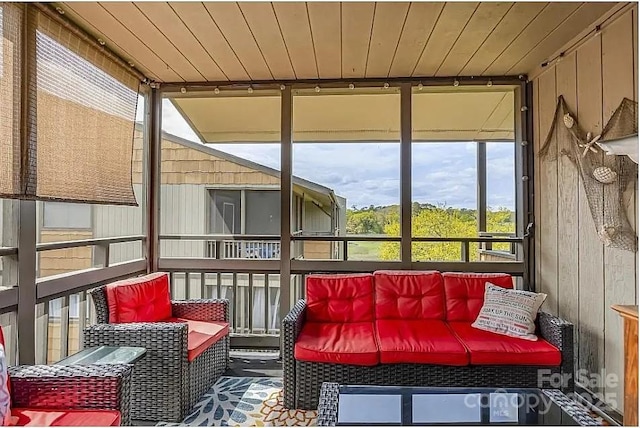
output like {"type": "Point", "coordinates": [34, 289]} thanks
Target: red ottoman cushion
{"type": "Point", "coordinates": [65, 418]}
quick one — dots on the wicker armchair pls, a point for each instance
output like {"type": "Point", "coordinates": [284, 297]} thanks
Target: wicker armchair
{"type": "Point", "coordinates": [165, 383]}
{"type": "Point", "coordinates": [92, 387]}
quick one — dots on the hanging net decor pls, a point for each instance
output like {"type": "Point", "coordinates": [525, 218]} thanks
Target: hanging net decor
{"type": "Point", "coordinates": [605, 178]}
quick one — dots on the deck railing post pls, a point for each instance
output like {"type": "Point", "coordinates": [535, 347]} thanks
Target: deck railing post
{"type": "Point", "coordinates": [152, 213]}
{"type": "Point", "coordinates": [405, 174]}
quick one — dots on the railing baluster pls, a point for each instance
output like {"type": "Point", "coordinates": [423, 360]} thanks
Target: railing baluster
{"type": "Point", "coordinates": [82, 317]}
{"type": "Point", "coordinates": [64, 327]}
{"type": "Point", "coordinates": [267, 303]}
{"type": "Point", "coordinates": [172, 284]}
{"type": "Point", "coordinates": [203, 286]}
{"type": "Point", "coordinates": [187, 282]}
{"type": "Point", "coordinates": [218, 286]}
{"type": "Point", "coordinates": [42, 349]}
{"type": "Point", "coordinates": [236, 312]}
{"type": "Point", "coordinates": [465, 250]}
{"type": "Point", "coordinates": [250, 303]}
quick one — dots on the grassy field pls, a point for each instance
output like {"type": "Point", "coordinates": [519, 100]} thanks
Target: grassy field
{"type": "Point", "coordinates": [364, 250]}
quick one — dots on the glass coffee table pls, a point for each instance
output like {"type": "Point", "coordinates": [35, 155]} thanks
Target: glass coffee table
{"type": "Point", "coordinates": [105, 355]}
{"type": "Point", "coordinates": [397, 405]}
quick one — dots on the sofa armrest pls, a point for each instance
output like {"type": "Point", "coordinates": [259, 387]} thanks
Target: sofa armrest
{"type": "Point", "coordinates": [96, 386]}
{"type": "Point", "coordinates": [559, 333]}
{"type": "Point", "coordinates": [158, 338]}
{"type": "Point", "coordinates": [291, 326]}
{"type": "Point", "coordinates": [201, 309]}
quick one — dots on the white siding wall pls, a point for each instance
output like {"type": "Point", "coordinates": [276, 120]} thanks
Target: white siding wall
{"type": "Point", "coordinates": [183, 210]}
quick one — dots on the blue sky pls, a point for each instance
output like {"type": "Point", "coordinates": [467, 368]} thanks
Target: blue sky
{"type": "Point", "coordinates": [369, 173]}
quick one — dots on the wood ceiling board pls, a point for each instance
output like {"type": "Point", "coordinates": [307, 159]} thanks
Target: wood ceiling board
{"type": "Point", "coordinates": [231, 22]}
{"type": "Point", "coordinates": [450, 25]}
{"type": "Point", "coordinates": [98, 22]}
{"type": "Point", "coordinates": [325, 19]}
{"type": "Point", "coordinates": [552, 16]}
{"type": "Point", "coordinates": [387, 26]}
{"type": "Point", "coordinates": [197, 18]}
{"type": "Point", "coordinates": [263, 24]}
{"type": "Point", "coordinates": [170, 24]}
{"type": "Point", "coordinates": [296, 31]}
{"type": "Point", "coordinates": [514, 22]}
{"type": "Point", "coordinates": [421, 20]}
{"type": "Point", "coordinates": [501, 113]}
{"type": "Point", "coordinates": [132, 18]}
{"type": "Point", "coordinates": [582, 18]}
{"type": "Point", "coordinates": [357, 22]}
{"type": "Point", "coordinates": [485, 19]}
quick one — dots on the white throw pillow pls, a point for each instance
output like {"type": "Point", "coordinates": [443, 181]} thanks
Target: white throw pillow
{"type": "Point", "coordinates": [5, 398]}
{"type": "Point", "coordinates": [509, 312]}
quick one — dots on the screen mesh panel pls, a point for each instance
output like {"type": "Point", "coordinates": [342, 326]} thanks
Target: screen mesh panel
{"type": "Point", "coordinates": [10, 61]}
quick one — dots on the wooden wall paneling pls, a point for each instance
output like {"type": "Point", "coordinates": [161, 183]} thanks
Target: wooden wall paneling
{"type": "Point", "coordinates": [174, 29]}
{"type": "Point", "coordinates": [229, 19]}
{"type": "Point", "coordinates": [568, 215]}
{"type": "Point", "coordinates": [136, 22]}
{"type": "Point", "coordinates": [450, 25]}
{"type": "Point", "coordinates": [325, 19]}
{"type": "Point", "coordinates": [634, 201]}
{"type": "Point", "coordinates": [584, 16]}
{"type": "Point", "coordinates": [483, 22]}
{"type": "Point", "coordinates": [546, 21]}
{"type": "Point", "coordinates": [514, 22]}
{"type": "Point", "coordinates": [357, 21]}
{"type": "Point", "coordinates": [547, 196]}
{"type": "Point", "coordinates": [388, 23]}
{"type": "Point", "coordinates": [590, 330]}
{"type": "Point", "coordinates": [95, 19]}
{"type": "Point", "coordinates": [617, 74]}
{"type": "Point", "coordinates": [197, 19]}
{"type": "Point", "coordinates": [421, 19]}
{"type": "Point", "coordinates": [296, 31]}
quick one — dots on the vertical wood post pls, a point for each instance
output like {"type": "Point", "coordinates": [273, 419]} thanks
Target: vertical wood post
{"type": "Point", "coordinates": [405, 175]}
{"type": "Point", "coordinates": [286, 158]}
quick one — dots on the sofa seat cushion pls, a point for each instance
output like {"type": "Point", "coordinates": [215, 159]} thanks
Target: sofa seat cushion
{"type": "Point", "coordinates": [338, 343]}
{"type": "Point", "coordinates": [412, 295]}
{"type": "Point", "coordinates": [420, 342]}
{"type": "Point", "coordinates": [464, 292]}
{"type": "Point", "coordinates": [201, 335]}
{"type": "Point", "coordinates": [62, 417]}
{"type": "Point", "coordinates": [340, 298]}
{"type": "Point", "coordinates": [487, 348]}
{"type": "Point", "coordinates": [142, 299]}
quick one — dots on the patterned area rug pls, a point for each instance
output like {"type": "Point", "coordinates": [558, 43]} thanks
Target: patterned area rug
{"type": "Point", "coordinates": [245, 401]}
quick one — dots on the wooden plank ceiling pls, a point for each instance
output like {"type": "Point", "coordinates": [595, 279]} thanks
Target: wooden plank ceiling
{"type": "Point", "coordinates": [242, 41]}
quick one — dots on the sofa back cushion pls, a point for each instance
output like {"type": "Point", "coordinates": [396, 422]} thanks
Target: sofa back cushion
{"type": "Point", "coordinates": [464, 293]}
{"type": "Point", "coordinates": [142, 299]}
{"type": "Point", "coordinates": [340, 298]}
{"type": "Point", "coordinates": [409, 295]}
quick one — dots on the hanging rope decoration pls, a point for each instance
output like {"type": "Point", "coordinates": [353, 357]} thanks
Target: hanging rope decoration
{"type": "Point", "coordinates": [605, 178]}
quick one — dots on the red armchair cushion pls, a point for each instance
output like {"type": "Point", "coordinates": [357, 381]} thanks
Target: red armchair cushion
{"type": "Point", "coordinates": [406, 295]}
{"type": "Point", "coordinates": [340, 298]}
{"type": "Point", "coordinates": [464, 293]}
{"type": "Point", "coordinates": [420, 342]}
{"type": "Point", "coordinates": [61, 418]}
{"type": "Point", "coordinates": [201, 335]}
{"type": "Point", "coordinates": [142, 299]}
{"type": "Point", "coordinates": [487, 348]}
{"type": "Point", "coordinates": [338, 343]}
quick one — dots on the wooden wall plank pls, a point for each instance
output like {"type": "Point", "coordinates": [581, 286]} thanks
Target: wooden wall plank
{"type": "Point", "coordinates": [166, 20]}
{"type": "Point", "coordinates": [547, 196]}
{"type": "Point", "coordinates": [387, 26]}
{"type": "Point", "coordinates": [552, 16]}
{"type": "Point", "coordinates": [325, 19]}
{"type": "Point", "coordinates": [568, 215]}
{"type": "Point", "coordinates": [480, 26]}
{"type": "Point", "coordinates": [197, 19]}
{"type": "Point", "coordinates": [590, 331]}
{"type": "Point", "coordinates": [584, 16]}
{"type": "Point", "coordinates": [450, 25]}
{"type": "Point", "coordinates": [357, 21]}
{"type": "Point", "coordinates": [296, 31]}
{"type": "Point", "coordinates": [228, 17]}
{"type": "Point", "coordinates": [136, 22]}
{"type": "Point", "coordinates": [421, 19]}
{"type": "Point", "coordinates": [617, 74]}
{"type": "Point", "coordinates": [514, 22]}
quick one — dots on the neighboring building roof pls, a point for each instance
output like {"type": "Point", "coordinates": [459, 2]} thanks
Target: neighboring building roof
{"type": "Point", "coordinates": [244, 162]}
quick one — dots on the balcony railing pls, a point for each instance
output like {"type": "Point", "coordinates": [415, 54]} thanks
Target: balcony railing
{"type": "Point", "coordinates": [244, 249]}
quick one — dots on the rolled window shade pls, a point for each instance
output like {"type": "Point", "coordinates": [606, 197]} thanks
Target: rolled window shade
{"type": "Point", "coordinates": [86, 106]}
{"type": "Point", "coordinates": [10, 72]}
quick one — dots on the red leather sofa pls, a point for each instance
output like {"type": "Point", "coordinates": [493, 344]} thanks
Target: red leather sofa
{"type": "Point", "coordinates": [187, 343]}
{"type": "Point", "coordinates": [412, 328]}
{"type": "Point", "coordinates": [93, 395]}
